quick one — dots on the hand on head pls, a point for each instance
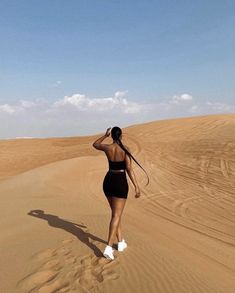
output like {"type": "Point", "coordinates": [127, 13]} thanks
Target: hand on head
{"type": "Point", "coordinates": [108, 131]}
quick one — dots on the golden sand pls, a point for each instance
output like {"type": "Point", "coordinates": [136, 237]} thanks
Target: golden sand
{"type": "Point", "coordinates": [54, 216]}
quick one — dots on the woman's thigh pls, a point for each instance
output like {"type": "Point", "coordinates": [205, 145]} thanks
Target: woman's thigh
{"type": "Point", "coordinates": [109, 198]}
{"type": "Point", "coordinates": [117, 205]}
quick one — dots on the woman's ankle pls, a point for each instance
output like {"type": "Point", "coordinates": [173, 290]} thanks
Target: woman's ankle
{"type": "Point", "coordinates": [122, 239]}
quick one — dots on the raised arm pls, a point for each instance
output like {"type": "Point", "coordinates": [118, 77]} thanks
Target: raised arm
{"type": "Point", "coordinates": [98, 143]}
{"type": "Point", "coordinates": [131, 174]}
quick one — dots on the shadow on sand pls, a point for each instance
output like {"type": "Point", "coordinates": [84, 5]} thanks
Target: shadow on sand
{"type": "Point", "coordinates": [73, 228]}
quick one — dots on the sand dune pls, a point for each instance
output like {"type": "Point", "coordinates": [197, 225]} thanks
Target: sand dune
{"type": "Point", "coordinates": [181, 233]}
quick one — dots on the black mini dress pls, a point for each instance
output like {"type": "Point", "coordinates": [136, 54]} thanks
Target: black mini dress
{"type": "Point", "coordinates": [115, 183]}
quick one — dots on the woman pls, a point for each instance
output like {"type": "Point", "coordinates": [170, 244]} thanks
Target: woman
{"type": "Point", "coordinates": [115, 185]}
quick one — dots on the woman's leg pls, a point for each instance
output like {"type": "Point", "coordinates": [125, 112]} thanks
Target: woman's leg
{"type": "Point", "coordinates": [119, 232]}
{"type": "Point", "coordinates": [117, 209]}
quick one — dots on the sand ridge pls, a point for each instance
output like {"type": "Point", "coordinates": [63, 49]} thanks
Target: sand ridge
{"type": "Point", "coordinates": [180, 233]}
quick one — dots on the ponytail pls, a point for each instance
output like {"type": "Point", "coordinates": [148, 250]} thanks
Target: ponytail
{"type": "Point", "coordinates": [130, 155]}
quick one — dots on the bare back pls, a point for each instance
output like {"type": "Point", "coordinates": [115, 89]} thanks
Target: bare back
{"type": "Point", "coordinates": [115, 153]}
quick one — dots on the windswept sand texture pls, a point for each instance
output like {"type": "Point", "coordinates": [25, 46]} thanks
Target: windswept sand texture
{"type": "Point", "coordinates": [181, 233]}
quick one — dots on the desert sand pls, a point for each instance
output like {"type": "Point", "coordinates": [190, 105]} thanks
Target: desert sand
{"type": "Point", "coordinates": [54, 216]}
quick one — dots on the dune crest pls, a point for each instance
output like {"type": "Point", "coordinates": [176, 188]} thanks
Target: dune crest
{"type": "Point", "coordinates": [180, 232]}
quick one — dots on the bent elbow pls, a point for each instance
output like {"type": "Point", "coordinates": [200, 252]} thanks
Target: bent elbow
{"type": "Point", "coordinates": [96, 146]}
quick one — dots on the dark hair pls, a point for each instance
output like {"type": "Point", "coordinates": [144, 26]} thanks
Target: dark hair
{"type": "Point", "coordinates": [116, 133]}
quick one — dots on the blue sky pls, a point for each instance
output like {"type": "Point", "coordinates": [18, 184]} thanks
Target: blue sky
{"type": "Point", "coordinates": [134, 53]}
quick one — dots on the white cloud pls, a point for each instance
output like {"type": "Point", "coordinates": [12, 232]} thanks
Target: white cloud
{"type": "Point", "coordinates": [219, 106]}
{"type": "Point", "coordinates": [194, 108]}
{"type": "Point", "coordinates": [75, 100]}
{"type": "Point", "coordinates": [20, 106]}
{"type": "Point", "coordinates": [57, 83]}
{"type": "Point", "coordinates": [26, 104]}
{"type": "Point", "coordinates": [79, 114]}
{"type": "Point", "coordinates": [212, 108]}
{"type": "Point", "coordinates": [9, 109]}
{"type": "Point", "coordinates": [84, 103]}
{"type": "Point", "coordinates": [120, 94]}
{"type": "Point", "coordinates": [20, 137]}
{"type": "Point", "coordinates": [182, 98]}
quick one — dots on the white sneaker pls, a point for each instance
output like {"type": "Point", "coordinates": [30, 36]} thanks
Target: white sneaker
{"type": "Point", "coordinates": [122, 245]}
{"type": "Point", "coordinates": [108, 252]}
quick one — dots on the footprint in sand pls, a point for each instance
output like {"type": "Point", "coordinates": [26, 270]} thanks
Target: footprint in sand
{"type": "Point", "coordinates": [96, 270]}
{"type": "Point", "coordinates": [63, 270]}
{"type": "Point", "coordinates": [32, 281]}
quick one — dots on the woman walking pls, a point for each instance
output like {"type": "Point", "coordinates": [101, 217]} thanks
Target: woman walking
{"type": "Point", "coordinates": [115, 185]}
